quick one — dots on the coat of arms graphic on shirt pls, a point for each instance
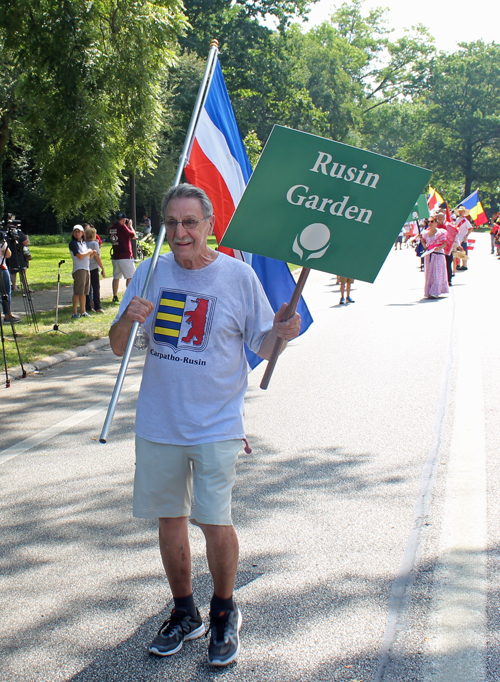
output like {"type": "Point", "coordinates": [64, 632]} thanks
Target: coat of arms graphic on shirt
{"type": "Point", "coordinates": [183, 319]}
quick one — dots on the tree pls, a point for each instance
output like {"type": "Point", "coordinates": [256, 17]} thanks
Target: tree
{"type": "Point", "coordinates": [460, 117]}
{"type": "Point", "coordinates": [85, 91]}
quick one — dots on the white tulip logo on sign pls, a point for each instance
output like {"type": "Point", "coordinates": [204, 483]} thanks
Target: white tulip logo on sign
{"type": "Point", "coordinates": [315, 239]}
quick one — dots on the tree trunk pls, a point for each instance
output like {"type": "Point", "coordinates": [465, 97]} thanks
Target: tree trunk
{"type": "Point", "coordinates": [4, 137]}
{"type": "Point", "coordinates": [155, 218]}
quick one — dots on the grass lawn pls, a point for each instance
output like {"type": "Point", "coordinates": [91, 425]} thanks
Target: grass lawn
{"type": "Point", "coordinates": [34, 346]}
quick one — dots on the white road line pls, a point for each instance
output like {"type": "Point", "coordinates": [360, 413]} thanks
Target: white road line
{"type": "Point", "coordinates": [457, 642]}
{"type": "Point", "coordinates": [56, 429]}
{"type": "Point", "coordinates": [398, 597]}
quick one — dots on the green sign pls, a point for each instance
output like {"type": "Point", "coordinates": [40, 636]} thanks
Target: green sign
{"type": "Point", "coordinates": [420, 210]}
{"type": "Point", "coordinates": [324, 205]}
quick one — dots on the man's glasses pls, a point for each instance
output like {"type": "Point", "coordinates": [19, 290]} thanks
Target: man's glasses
{"type": "Point", "coordinates": [187, 223]}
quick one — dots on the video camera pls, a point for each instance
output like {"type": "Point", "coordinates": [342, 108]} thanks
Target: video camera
{"type": "Point", "coordinates": [10, 227]}
{"type": "Point", "coordinates": [10, 232]}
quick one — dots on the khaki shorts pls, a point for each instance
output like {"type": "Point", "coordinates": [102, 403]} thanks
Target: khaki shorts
{"type": "Point", "coordinates": [123, 268]}
{"type": "Point", "coordinates": [81, 282]}
{"type": "Point", "coordinates": [346, 280]}
{"type": "Point", "coordinates": [167, 476]}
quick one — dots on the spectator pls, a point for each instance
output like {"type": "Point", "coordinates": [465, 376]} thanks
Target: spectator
{"type": "Point", "coordinates": [146, 224]}
{"type": "Point", "coordinates": [5, 284]}
{"type": "Point", "coordinates": [120, 236]}
{"type": "Point", "coordinates": [17, 261]}
{"type": "Point", "coordinates": [81, 273]}
{"type": "Point", "coordinates": [95, 265]}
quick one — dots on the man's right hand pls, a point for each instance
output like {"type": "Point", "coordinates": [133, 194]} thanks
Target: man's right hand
{"type": "Point", "coordinates": [137, 311]}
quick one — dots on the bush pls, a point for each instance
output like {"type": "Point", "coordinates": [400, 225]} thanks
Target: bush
{"type": "Point", "coordinates": [47, 239]}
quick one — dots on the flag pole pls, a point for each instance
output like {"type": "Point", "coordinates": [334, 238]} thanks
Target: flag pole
{"type": "Point", "coordinates": [281, 343]}
{"type": "Point", "coordinates": [200, 101]}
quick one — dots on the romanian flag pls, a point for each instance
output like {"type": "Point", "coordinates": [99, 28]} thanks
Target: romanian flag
{"type": "Point", "coordinates": [218, 163]}
{"type": "Point", "coordinates": [475, 208]}
{"type": "Point", "coordinates": [434, 198]}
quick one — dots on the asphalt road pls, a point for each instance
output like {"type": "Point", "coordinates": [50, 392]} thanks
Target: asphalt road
{"type": "Point", "coordinates": [367, 512]}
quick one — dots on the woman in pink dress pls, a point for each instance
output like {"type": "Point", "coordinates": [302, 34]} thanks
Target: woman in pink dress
{"type": "Point", "coordinates": [436, 278]}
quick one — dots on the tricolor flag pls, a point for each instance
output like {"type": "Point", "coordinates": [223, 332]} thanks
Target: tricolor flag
{"type": "Point", "coordinates": [218, 163]}
{"type": "Point", "coordinates": [475, 208]}
{"type": "Point", "coordinates": [434, 198]}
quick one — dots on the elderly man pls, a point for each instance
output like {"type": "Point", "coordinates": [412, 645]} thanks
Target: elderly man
{"type": "Point", "coordinates": [202, 307]}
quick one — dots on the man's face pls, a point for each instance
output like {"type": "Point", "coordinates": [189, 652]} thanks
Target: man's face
{"type": "Point", "coordinates": [189, 245]}
{"type": "Point", "coordinates": [440, 218]}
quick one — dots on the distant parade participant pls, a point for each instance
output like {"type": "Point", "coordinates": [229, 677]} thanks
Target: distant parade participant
{"type": "Point", "coordinates": [120, 235]}
{"type": "Point", "coordinates": [464, 230]}
{"type": "Point", "coordinates": [494, 223]}
{"type": "Point", "coordinates": [436, 279]}
{"type": "Point", "coordinates": [451, 240]}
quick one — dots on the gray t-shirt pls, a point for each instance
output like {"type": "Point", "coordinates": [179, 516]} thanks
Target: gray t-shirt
{"type": "Point", "coordinates": [94, 245]}
{"type": "Point", "coordinates": [195, 373]}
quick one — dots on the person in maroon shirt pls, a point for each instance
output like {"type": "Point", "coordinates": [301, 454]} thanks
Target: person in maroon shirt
{"type": "Point", "coordinates": [121, 235]}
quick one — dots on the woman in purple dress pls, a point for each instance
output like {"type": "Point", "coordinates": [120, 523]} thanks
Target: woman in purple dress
{"type": "Point", "coordinates": [436, 278]}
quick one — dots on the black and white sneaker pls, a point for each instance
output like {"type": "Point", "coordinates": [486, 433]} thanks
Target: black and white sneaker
{"type": "Point", "coordinates": [179, 628]}
{"type": "Point", "coordinates": [224, 644]}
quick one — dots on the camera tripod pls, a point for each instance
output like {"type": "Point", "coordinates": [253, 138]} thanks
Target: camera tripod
{"type": "Point", "coordinates": [5, 301]}
{"type": "Point", "coordinates": [55, 328]}
{"type": "Point", "coordinates": [29, 308]}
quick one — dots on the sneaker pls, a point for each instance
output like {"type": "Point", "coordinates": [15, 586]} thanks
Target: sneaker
{"type": "Point", "coordinates": [179, 628]}
{"type": "Point", "coordinates": [224, 644]}
{"type": "Point", "coordinates": [99, 310]}
{"type": "Point", "coordinates": [115, 299]}
{"type": "Point", "coordinates": [75, 316]}
{"type": "Point", "coordinates": [85, 315]}
{"type": "Point", "coordinates": [11, 318]}
{"type": "Point", "coordinates": [349, 300]}
{"type": "Point", "coordinates": [342, 301]}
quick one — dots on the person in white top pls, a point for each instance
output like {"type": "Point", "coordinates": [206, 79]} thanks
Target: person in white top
{"type": "Point", "coordinates": [202, 307]}
{"type": "Point", "coordinates": [464, 230]}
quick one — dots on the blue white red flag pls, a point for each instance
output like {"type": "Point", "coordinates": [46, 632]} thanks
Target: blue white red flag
{"type": "Point", "coordinates": [218, 163]}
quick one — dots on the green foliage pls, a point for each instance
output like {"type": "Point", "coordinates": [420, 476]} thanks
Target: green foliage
{"type": "Point", "coordinates": [253, 147]}
{"type": "Point", "coordinates": [457, 119]}
{"type": "Point", "coordinates": [87, 91]}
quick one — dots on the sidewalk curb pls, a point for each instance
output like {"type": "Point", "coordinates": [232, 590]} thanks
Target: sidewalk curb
{"type": "Point", "coordinates": [51, 360]}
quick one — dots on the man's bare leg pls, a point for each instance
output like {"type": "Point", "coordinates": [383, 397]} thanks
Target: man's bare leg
{"type": "Point", "coordinates": [176, 555]}
{"type": "Point", "coordinates": [185, 622]}
{"type": "Point", "coordinates": [116, 282]}
{"type": "Point", "coordinates": [222, 556]}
